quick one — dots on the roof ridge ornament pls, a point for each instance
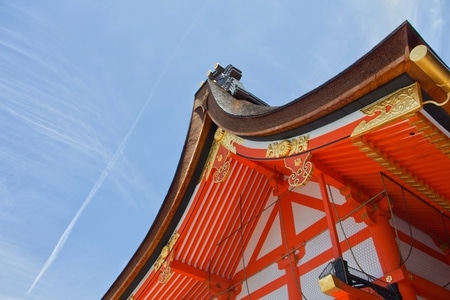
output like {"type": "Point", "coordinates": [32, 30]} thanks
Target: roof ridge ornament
{"type": "Point", "coordinates": [228, 78]}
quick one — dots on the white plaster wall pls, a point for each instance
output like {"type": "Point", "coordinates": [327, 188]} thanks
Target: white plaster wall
{"type": "Point", "coordinates": [311, 189]}
{"type": "Point", "coordinates": [348, 227]}
{"type": "Point", "coordinates": [280, 294]}
{"type": "Point", "coordinates": [261, 279]}
{"type": "Point", "coordinates": [426, 266]}
{"type": "Point", "coordinates": [310, 284]}
{"type": "Point", "coordinates": [305, 216]}
{"type": "Point", "coordinates": [363, 257]}
{"type": "Point", "coordinates": [417, 234]}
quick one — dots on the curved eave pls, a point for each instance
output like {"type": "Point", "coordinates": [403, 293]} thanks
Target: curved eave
{"type": "Point", "coordinates": [383, 70]}
{"type": "Point", "coordinates": [194, 154]}
{"type": "Point", "coordinates": [339, 96]}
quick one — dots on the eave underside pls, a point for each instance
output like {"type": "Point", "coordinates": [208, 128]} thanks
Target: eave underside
{"type": "Point", "coordinates": [412, 151]}
{"type": "Point", "coordinates": [399, 159]}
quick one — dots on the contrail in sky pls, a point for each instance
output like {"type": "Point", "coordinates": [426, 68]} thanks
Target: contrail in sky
{"type": "Point", "coordinates": [88, 199]}
{"type": "Point", "coordinates": [110, 164]}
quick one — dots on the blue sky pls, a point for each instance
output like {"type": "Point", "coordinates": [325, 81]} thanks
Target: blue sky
{"type": "Point", "coordinates": [95, 102]}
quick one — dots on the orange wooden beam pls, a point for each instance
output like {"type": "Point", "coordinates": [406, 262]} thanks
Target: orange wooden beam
{"type": "Point", "coordinates": [308, 201]}
{"type": "Point", "coordinates": [327, 255]}
{"type": "Point", "coordinates": [217, 283]}
{"type": "Point", "coordinates": [266, 289]}
{"type": "Point", "coordinates": [428, 289]}
{"type": "Point", "coordinates": [422, 287]}
{"type": "Point", "coordinates": [423, 247]}
{"type": "Point", "coordinates": [264, 234]}
{"type": "Point", "coordinates": [255, 264]}
{"type": "Point", "coordinates": [287, 227]}
{"type": "Point", "coordinates": [336, 179]}
{"type": "Point", "coordinates": [388, 253]}
{"type": "Point", "coordinates": [337, 252]}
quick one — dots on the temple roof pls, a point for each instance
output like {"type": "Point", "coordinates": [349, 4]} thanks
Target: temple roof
{"type": "Point", "coordinates": [374, 74]}
{"type": "Point", "coordinates": [413, 149]}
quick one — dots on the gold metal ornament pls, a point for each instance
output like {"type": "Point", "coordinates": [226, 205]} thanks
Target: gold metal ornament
{"type": "Point", "coordinates": [301, 169]}
{"type": "Point", "coordinates": [401, 103]}
{"type": "Point", "coordinates": [219, 155]}
{"type": "Point", "coordinates": [165, 251]}
{"type": "Point", "coordinates": [287, 147]}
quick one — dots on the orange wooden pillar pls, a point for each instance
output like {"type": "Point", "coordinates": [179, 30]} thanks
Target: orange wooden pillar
{"type": "Point", "coordinates": [337, 252]}
{"type": "Point", "coordinates": [289, 263]}
{"type": "Point", "coordinates": [384, 239]}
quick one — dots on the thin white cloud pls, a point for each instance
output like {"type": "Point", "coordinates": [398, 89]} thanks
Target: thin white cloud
{"type": "Point", "coordinates": [110, 165]}
{"type": "Point", "coordinates": [51, 105]}
{"type": "Point", "coordinates": [17, 267]}
{"type": "Point", "coordinates": [88, 199]}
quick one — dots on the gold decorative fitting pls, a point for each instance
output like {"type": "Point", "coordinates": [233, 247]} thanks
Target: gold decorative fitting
{"type": "Point", "coordinates": [438, 104]}
{"type": "Point", "coordinates": [402, 102]}
{"type": "Point", "coordinates": [228, 140]}
{"type": "Point", "coordinates": [222, 172]}
{"type": "Point", "coordinates": [287, 147]}
{"type": "Point", "coordinates": [301, 168]}
{"type": "Point", "coordinates": [165, 258]}
{"type": "Point", "coordinates": [219, 155]}
{"type": "Point", "coordinates": [389, 279]}
{"type": "Point", "coordinates": [436, 70]}
{"type": "Point", "coordinates": [166, 251]}
{"type": "Point", "coordinates": [166, 273]}
{"type": "Point", "coordinates": [219, 134]}
{"type": "Point", "coordinates": [432, 66]}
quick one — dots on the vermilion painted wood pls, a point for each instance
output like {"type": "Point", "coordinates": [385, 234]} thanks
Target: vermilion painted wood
{"type": "Point", "coordinates": [222, 217]}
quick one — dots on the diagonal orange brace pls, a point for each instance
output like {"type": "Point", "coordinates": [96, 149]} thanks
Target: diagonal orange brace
{"type": "Point", "coordinates": [200, 275]}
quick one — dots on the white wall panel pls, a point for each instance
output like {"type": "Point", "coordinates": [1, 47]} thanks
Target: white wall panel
{"type": "Point", "coordinates": [260, 279]}
{"type": "Point", "coordinates": [280, 294]}
{"type": "Point", "coordinates": [427, 266]}
{"type": "Point", "coordinates": [305, 216]}
{"type": "Point", "coordinates": [273, 239]}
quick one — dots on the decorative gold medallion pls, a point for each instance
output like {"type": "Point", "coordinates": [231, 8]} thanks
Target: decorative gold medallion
{"type": "Point", "coordinates": [287, 147]}
{"type": "Point", "coordinates": [222, 172]}
{"type": "Point", "coordinates": [166, 273]}
{"type": "Point", "coordinates": [301, 168]}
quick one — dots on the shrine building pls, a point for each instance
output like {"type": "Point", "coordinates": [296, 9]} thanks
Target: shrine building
{"type": "Point", "coordinates": [343, 193]}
